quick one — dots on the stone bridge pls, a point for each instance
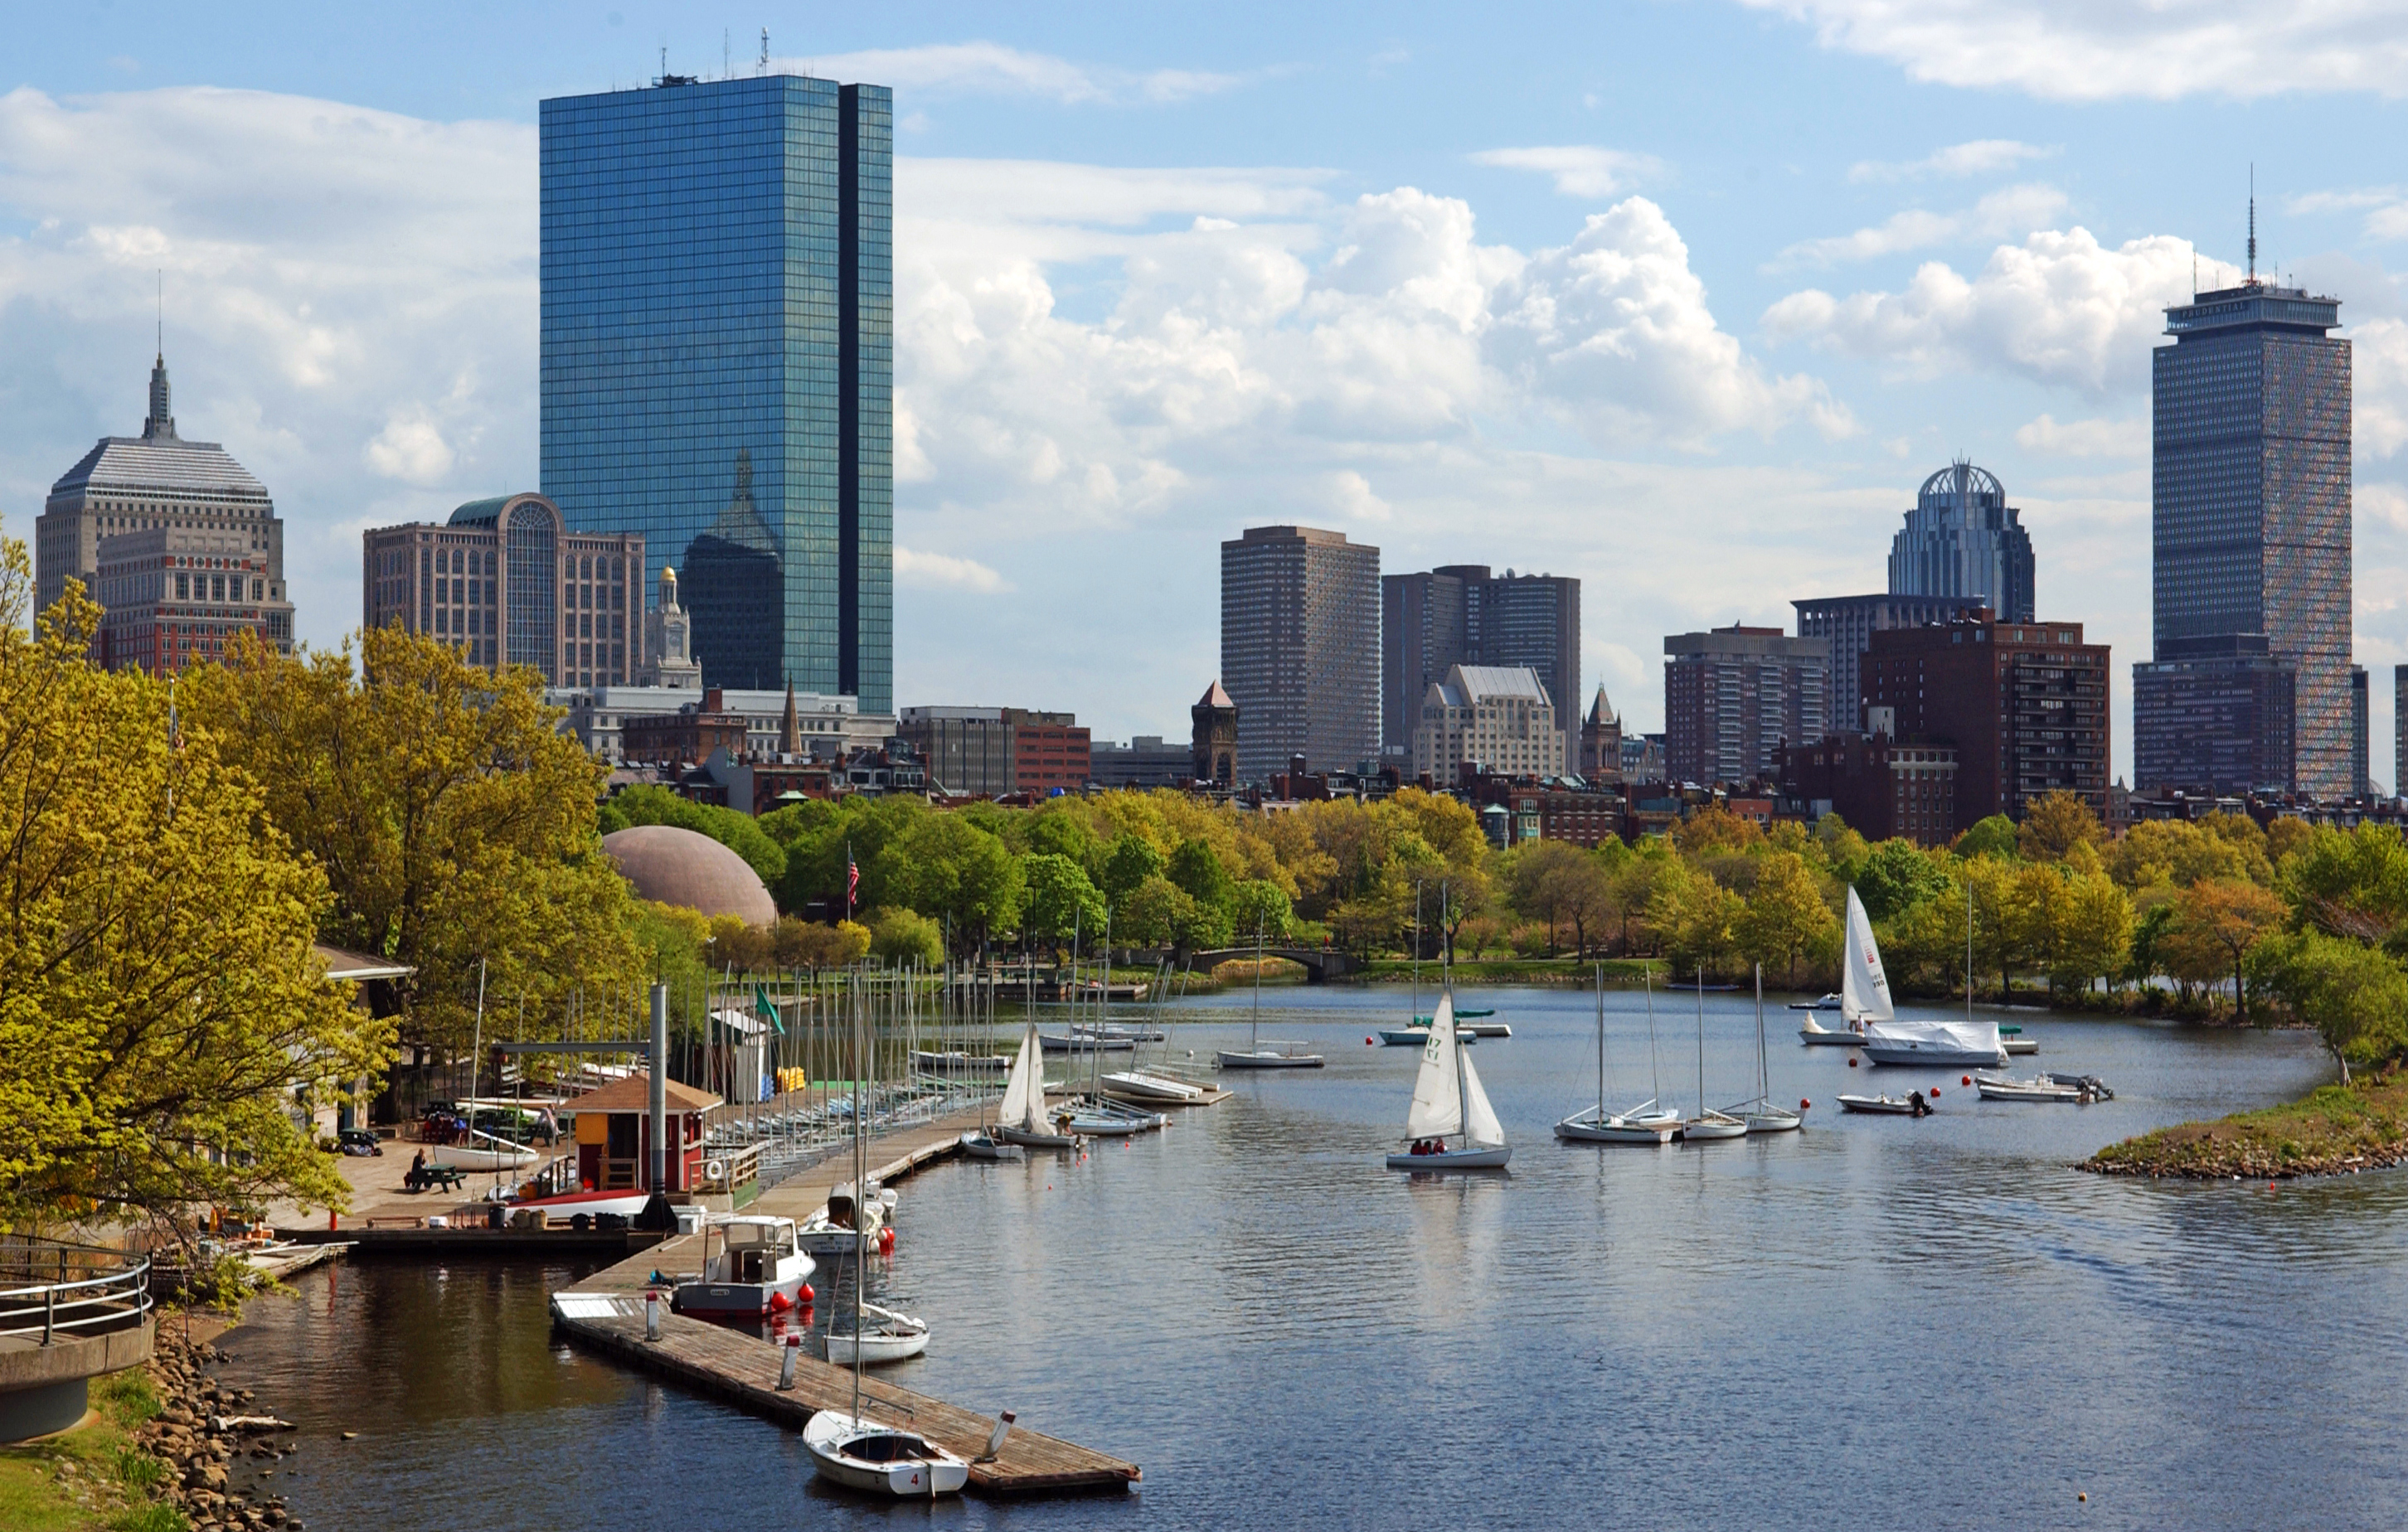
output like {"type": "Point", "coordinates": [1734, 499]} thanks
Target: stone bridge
{"type": "Point", "coordinates": [1320, 963]}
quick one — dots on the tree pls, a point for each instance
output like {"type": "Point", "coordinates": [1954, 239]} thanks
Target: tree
{"type": "Point", "coordinates": [1898, 875]}
{"type": "Point", "coordinates": [1588, 900]}
{"type": "Point", "coordinates": [1996, 836]}
{"type": "Point", "coordinates": [1131, 861]}
{"type": "Point", "coordinates": [1061, 904]}
{"type": "Point", "coordinates": [1198, 872]}
{"type": "Point", "coordinates": [1785, 917]}
{"type": "Point", "coordinates": [1715, 828]}
{"type": "Point", "coordinates": [2216, 924]}
{"type": "Point", "coordinates": [953, 871]}
{"type": "Point", "coordinates": [1060, 831]}
{"type": "Point", "coordinates": [905, 936]}
{"type": "Point", "coordinates": [871, 832]}
{"type": "Point", "coordinates": [2354, 995]}
{"type": "Point", "coordinates": [1538, 879]}
{"type": "Point", "coordinates": [1155, 913]}
{"type": "Point", "coordinates": [452, 820]}
{"type": "Point", "coordinates": [1695, 917]}
{"type": "Point", "coordinates": [162, 1014]}
{"type": "Point", "coordinates": [2096, 937]}
{"type": "Point", "coordinates": [2056, 823]}
{"type": "Point", "coordinates": [2175, 853]}
{"type": "Point", "coordinates": [1257, 904]}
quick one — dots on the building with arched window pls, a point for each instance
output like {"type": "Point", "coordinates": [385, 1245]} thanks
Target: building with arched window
{"type": "Point", "coordinates": [505, 583]}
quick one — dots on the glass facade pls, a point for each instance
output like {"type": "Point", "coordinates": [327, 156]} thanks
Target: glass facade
{"type": "Point", "coordinates": [1963, 539]}
{"type": "Point", "coordinates": [2251, 508]}
{"type": "Point", "coordinates": [718, 361]}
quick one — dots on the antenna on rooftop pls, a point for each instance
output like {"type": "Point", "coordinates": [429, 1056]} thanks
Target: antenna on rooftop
{"type": "Point", "coordinates": [2253, 223]}
{"type": "Point", "coordinates": [726, 70]}
{"type": "Point", "coordinates": [763, 67]}
{"type": "Point", "coordinates": [162, 275]}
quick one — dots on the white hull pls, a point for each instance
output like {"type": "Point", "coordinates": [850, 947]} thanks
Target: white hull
{"type": "Point", "coordinates": [1879, 1106]}
{"type": "Point", "coordinates": [592, 1204]}
{"type": "Point", "coordinates": [1265, 1059]}
{"type": "Point", "coordinates": [1933, 1055]}
{"type": "Point", "coordinates": [1829, 1002]}
{"type": "Point", "coordinates": [1414, 1036]}
{"type": "Point", "coordinates": [1483, 1029]}
{"type": "Point", "coordinates": [1151, 1087]}
{"type": "Point", "coordinates": [1586, 1128]}
{"type": "Point", "coordinates": [1477, 1158]}
{"type": "Point", "coordinates": [461, 1157]}
{"type": "Point", "coordinates": [2020, 1045]}
{"type": "Point", "coordinates": [1712, 1127]}
{"type": "Point", "coordinates": [1036, 1140]}
{"type": "Point", "coordinates": [962, 1065]}
{"type": "Point", "coordinates": [876, 1350]}
{"type": "Point", "coordinates": [1771, 1120]}
{"type": "Point", "coordinates": [978, 1146]}
{"type": "Point", "coordinates": [902, 1464]}
{"type": "Point", "coordinates": [1825, 1036]}
{"type": "Point", "coordinates": [1088, 1045]}
{"type": "Point", "coordinates": [1112, 1127]}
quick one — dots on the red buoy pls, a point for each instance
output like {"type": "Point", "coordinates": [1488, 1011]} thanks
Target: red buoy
{"type": "Point", "coordinates": [1368, 1042]}
{"type": "Point", "coordinates": [1804, 1104]}
{"type": "Point", "coordinates": [1964, 1080]}
{"type": "Point", "coordinates": [1934, 1091]}
{"type": "Point", "coordinates": [886, 1242]}
{"type": "Point", "coordinates": [806, 1296]}
{"type": "Point", "coordinates": [1852, 1061]}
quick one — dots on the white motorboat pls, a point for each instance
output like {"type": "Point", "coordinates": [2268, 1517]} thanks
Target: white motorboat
{"type": "Point", "coordinates": [1595, 1124]}
{"type": "Point", "coordinates": [1758, 1111]}
{"type": "Point", "coordinates": [1258, 1054]}
{"type": "Point", "coordinates": [983, 1146]}
{"type": "Point", "coordinates": [865, 1454]}
{"type": "Point", "coordinates": [1829, 1002]}
{"type": "Point", "coordinates": [2025, 1046]}
{"type": "Point", "coordinates": [1968, 1044]}
{"type": "Point", "coordinates": [760, 1269]}
{"type": "Point", "coordinates": [2078, 1089]}
{"type": "Point", "coordinates": [1146, 1086]}
{"type": "Point", "coordinates": [846, 1221]}
{"type": "Point", "coordinates": [881, 1336]}
{"type": "Point", "coordinates": [1909, 1105]}
{"type": "Point", "coordinates": [1449, 1103]}
{"type": "Point", "coordinates": [1021, 1119]}
{"type": "Point", "coordinates": [1829, 1037]}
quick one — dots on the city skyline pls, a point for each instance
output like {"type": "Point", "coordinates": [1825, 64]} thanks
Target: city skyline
{"type": "Point", "coordinates": [1066, 456]}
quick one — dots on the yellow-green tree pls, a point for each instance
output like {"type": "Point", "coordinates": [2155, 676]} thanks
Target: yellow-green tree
{"type": "Point", "coordinates": [2054, 823]}
{"type": "Point", "coordinates": [2096, 934]}
{"type": "Point", "coordinates": [1784, 918]}
{"type": "Point", "coordinates": [454, 824]}
{"type": "Point", "coordinates": [2216, 920]}
{"type": "Point", "coordinates": [164, 1024]}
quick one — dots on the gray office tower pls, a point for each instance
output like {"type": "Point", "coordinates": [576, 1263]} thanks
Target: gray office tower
{"type": "Point", "coordinates": [718, 361]}
{"type": "Point", "coordinates": [1460, 614]}
{"type": "Point", "coordinates": [1963, 539]}
{"type": "Point", "coordinates": [2251, 549]}
{"type": "Point", "coordinates": [1301, 648]}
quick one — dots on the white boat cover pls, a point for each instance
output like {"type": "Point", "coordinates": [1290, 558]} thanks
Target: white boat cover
{"type": "Point", "coordinates": [1437, 1104]}
{"type": "Point", "coordinates": [1024, 1092]}
{"type": "Point", "coordinates": [1864, 992]}
{"type": "Point", "coordinates": [1480, 1126]}
{"type": "Point", "coordinates": [1973, 1040]}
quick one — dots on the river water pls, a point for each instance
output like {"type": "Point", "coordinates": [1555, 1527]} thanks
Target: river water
{"type": "Point", "coordinates": [1876, 1321]}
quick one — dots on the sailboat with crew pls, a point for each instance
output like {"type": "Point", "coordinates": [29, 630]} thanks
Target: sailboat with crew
{"type": "Point", "coordinates": [1449, 1103]}
{"type": "Point", "coordinates": [1642, 1124]}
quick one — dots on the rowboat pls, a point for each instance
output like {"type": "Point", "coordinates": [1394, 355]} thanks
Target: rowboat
{"type": "Point", "coordinates": [864, 1455]}
{"type": "Point", "coordinates": [1911, 1105]}
{"type": "Point", "coordinates": [881, 1336]}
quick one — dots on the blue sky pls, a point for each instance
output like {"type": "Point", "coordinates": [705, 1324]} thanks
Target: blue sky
{"type": "Point", "coordinates": [1683, 299]}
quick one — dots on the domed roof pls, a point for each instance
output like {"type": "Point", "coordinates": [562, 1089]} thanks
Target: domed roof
{"type": "Point", "coordinates": [686, 868]}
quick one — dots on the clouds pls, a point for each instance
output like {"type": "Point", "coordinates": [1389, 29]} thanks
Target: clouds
{"type": "Point", "coordinates": [2052, 437]}
{"type": "Point", "coordinates": [2100, 49]}
{"type": "Point", "coordinates": [918, 571]}
{"type": "Point", "coordinates": [2386, 208]}
{"type": "Point", "coordinates": [2059, 308]}
{"type": "Point", "coordinates": [2009, 210]}
{"type": "Point", "coordinates": [1580, 170]}
{"type": "Point", "coordinates": [986, 68]}
{"type": "Point", "coordinates": [1980, 157]}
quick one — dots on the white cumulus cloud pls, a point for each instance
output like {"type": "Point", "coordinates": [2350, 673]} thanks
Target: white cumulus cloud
{"type": "Point", "coordinates": [1977, 157]}
{"type": "Point", "coordinates": [411, 448]}
{"type": "Point", "coordinates": [917, 570]}
{"type": "Point", "coordinates": [2379, 385]}
{"type": "Point", "coordinates": [989, 69]}
{"type": "Point", "coordinates": [2100, 49]}
{"type": "Point", "coordinates": [2009, 211]}
{"type": "Point", "coordinates": [2098, 437]}
{"type": "Point", "coordinates": [2058, 308]}
{"type": "Point", "coordinates": [1580, 170]}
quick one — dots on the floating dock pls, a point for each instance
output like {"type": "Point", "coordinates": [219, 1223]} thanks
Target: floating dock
{"type": "Point", "coordinates": [605, 1312]}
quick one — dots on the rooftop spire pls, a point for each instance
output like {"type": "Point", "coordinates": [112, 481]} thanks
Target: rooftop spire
{"type": "Point", "coordinates": [2253, 223]}
{"type": "Point", "coordinates": [161, 426]}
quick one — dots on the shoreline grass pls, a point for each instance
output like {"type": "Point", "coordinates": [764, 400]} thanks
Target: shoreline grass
{"type": "Point", "coordinates": [2331, 1130]}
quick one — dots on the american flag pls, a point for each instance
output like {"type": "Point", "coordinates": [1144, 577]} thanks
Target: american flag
{"type": "Point", "coordinates": [852, 878]}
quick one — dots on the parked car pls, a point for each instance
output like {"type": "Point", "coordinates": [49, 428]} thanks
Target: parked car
{"type": "Point", "coordinates": [359, 1141]}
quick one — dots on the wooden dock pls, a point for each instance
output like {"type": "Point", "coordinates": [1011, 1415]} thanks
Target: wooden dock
{"type": "Point", "coordinates": [605, 1312]}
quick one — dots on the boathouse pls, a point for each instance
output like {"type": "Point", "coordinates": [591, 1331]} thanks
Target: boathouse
{"type": "Point", "coordinates": [614, 1139]}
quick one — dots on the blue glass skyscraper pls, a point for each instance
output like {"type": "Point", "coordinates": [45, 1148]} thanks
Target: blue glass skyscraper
{"type": "Point", "coordinates": [718, 361]}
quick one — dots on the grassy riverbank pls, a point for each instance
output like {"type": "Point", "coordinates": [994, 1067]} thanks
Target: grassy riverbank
{"type": "Point", "coordinates": [2358, 1126]}
{"type": "Point", "coordinates": [96, 1477]}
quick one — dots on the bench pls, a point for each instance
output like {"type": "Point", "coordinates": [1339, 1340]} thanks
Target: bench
{"type": "Point", "coordinates": [446, 1178]}
{"type": "Point", "coordinates": [398, 1221]}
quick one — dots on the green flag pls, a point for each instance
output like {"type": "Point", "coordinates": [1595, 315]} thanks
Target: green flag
{"type": "Point", "coordinates": [767, 1012]}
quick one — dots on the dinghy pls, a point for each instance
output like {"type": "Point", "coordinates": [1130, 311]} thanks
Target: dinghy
{"type": "Point", "coordinates": [483, 1151]}
{"type": "Point", "coordinates": [1595, 1124]}
{"type": "Point", "coordinates": [1449, 1103]}
{"type": "Point", "coordinates": [1145, 1085]}
{"type": "Point", "coordinates": [1256, 1053]}
{"type": "Point", "coordinates": [1709, 1126]}
{"type": "Point", "coordinates": [983, 1146]}
{"type": "Point", "coordinates": [1909, 1105]}
{"type": "Point", "coordinates": [1759, 1112]}
{"type": "Point", "coordinates": [1021, 1119]}
{"type": "Point", "coordinates": [884, 1336]}
{"type": "Point", "coordinates": [878, 1459]}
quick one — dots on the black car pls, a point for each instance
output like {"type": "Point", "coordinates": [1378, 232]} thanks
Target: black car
{"type": "Point", "coordinates": [359, 1141]}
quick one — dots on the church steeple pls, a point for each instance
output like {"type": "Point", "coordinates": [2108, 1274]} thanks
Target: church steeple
{"type": "Point", "coordinates": [161, 426]}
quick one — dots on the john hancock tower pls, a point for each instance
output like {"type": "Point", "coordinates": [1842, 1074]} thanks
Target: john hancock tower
{"type": "Point", "coordinates": [718, 361]}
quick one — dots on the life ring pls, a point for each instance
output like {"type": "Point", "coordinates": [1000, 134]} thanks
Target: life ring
{"type": "Point", "coordinates": [715, 1170]}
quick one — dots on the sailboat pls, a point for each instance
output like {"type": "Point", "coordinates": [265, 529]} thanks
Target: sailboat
{"type": "Point", "coordinates": [1596, 1126]}
{"type": "Point", "coordinates": [1759, 1112]}
{"type": "Point", "coordinates": [1256, 1056]}
{"type": "Point", "coordinates": [1708, 1124]}
{"type": "Point", "coordinates": [1449, 1103]}
{"type": "Point", "coordinates": [1021, 1119]}
{"type": "Point", "coordinates": [1864, 988]}
{"type": "Point", "coordinates": [1946, 1045]}
{"type": "Point", "coordinates": [848, 1448]}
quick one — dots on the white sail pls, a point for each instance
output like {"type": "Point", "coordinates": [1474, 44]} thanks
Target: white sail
{"type": "Point", "coordinates": [1480, 1123]}
{"type": "Point", "coordinates": [1023, 1092]}
{"type": "Point", "coordinates": [1864, 988]}
{"type": "Point", "coordinates": [1437, 1105]}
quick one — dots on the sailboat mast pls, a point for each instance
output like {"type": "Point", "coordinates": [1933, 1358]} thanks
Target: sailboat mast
{"type": "Point", "coordinates": [1968, 944]}
{"type": "Point", "coordinates": [860, 1201]}
{"type": "Point", "coordinates": [1655, 1074]}
{"type": "Point", "coordinates": [1701, 1042]}
{"type": "Point", "coordinates": [1600, 1042]}
{"type": "Point", "coordinates": [1763, 1071]}
{"type": "Point", "coordinates": [1415, 1014]}
{"type": "Point", "coordinates": [1255, 1033]}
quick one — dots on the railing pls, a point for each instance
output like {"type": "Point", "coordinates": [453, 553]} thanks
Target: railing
{"type": "Point", "coordinates": [56, 1288]}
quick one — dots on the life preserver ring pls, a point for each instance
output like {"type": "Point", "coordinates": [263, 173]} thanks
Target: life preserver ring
{"type": "Point", "coordinates": [715, 1170]}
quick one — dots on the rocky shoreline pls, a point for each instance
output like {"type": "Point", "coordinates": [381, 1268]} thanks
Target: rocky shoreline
{"type": "Point", "coordinates": [2336, 1130]}
{"type": "Point", "coordinates": [212, 1441]}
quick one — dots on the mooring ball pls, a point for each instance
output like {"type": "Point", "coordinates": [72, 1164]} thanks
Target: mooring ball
{"type": "Point", "coordinates": [1964, 1080]}
{"type": "Point", "coordinates": [1851, 1062]}
{"type": "Point", "coordinates": [806, 1296]}
{"type": "Point", "coordinates": [1804, 1104]}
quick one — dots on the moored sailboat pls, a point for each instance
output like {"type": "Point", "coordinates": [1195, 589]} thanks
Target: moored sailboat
{"type": "Point", "coordinates": [1759, 1112]}
{"type": "Point", "coordinates": [1596, 1126]}
{"type": "Point", "coordinates": [1946, 1045]}
{"type": "Point", "coordinates": [1021, 1119]}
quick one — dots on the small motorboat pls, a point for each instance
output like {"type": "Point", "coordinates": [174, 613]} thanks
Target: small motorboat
{"type": "Point", "coordinates": [1909, 1105]}
{"type": "Point", "coordinates": [880, 1459]}
{"type": "Point", "coordinates": [885, 1335]}
{"type": "Point", "coordinates": [1640, 1126]}
{"type": "Point", "coordinates": [760, 1269]}
{"type": "Point", "coordinates": [1829, 1002]}
{"type": "Point", "coordinates": [2078, 1089]}
{"type": "Point", "coordinates": [982, 1146]}
{"type": "Point", "coordinates": [831, 1231]}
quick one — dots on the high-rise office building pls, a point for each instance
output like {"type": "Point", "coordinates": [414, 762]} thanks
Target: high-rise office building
{"type": "Point", "coordinates": [2361, 759]}
{"type": "Point", "coordinates": [1301, 648]}
{"type": "Point", "coordinates": [718, 361]}
{"type": "Point", "coordinates": [1734, 697]}
{"type": "Point", "coordinates": [1849, 623]}
{"type": "Point", "coordinates": [2250, 522]}
{"type": "Point", "coordinates": [2399, 730]}
{"type": "Point", "coordinates": [2220, 723]}
{"type": "Point", "coordinates": [1963, 539]}
{"type": "Point", "coordinates": [2025, 704]}
{"type": "Point", "coordinates": [175, 540]}
{"type": "Point", "coordinates": [1461, 614]}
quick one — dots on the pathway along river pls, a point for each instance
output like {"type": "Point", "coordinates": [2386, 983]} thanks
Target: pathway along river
{"type": "Point", "coordinates": [1877, 1322]}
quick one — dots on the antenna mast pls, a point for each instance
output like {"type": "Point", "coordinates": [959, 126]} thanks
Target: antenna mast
{"type": "Point", "coordinates": [763, 67]}
{"type": "Point", "coordinates": [2253, 223]}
